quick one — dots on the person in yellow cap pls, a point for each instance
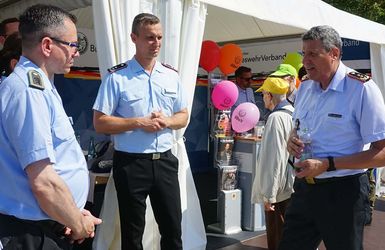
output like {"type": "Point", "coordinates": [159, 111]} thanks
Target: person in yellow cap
{"type": "Point", "coordinates": [289, 74]}
{"type": "Point", "coordinates": [273, 180]}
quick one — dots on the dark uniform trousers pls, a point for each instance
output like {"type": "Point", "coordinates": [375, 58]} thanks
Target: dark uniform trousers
{"type": "Point", "coordinates": [18, 234]}
{"type": "Point", "coordinates": [333, 211]}
{"type": "Point", "coordinates": [137, 176]}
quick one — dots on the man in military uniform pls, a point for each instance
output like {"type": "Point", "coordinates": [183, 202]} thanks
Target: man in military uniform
{"type": "Point", "coordinates": [140, 102]}
{"type": "Point", "coordinates": [344, 110]}
{"type": "Point", "coordinates": [41, 164]}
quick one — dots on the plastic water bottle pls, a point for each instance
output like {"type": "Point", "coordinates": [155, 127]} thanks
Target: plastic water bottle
{"type": "Point", "coordinates": [305, 137]}
{"type": "Point", "coordinates": [91, 149]}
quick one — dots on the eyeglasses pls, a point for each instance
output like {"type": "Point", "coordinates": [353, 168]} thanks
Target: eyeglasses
{"type": "Point", "coordinates": [246, 78]}
{"type": "Point", "coordinates": [72, 45]}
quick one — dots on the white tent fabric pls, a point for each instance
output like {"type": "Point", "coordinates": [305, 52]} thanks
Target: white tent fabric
{"type": "Point", "coordinates": [225, 21]}
{"type": "Point", "coordinates": [300, 15]}
{"type": "Point", "coordinates": [113, 18]}
{"type": "Point", "coordinates": [269, 18]}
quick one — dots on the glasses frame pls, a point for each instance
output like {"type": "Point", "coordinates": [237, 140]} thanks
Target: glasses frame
{"type": "Point", "coordinates": [246, 78]}
{"type": "Point", "coordinates": [71, 44]}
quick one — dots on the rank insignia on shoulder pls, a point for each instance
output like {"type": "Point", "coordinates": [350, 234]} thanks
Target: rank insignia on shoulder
{"type": "Point", "coordinates": [169, 67]}
{"type": "Point", "coordinates": [359, 76]}
{"type": "Point", "coordinates": [117, 67]}
{"type": "Point", "coordinates": [35, 80]}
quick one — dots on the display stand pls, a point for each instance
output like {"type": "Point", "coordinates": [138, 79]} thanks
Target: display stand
{"type": "Point", "coordinates": [229, 212]}
{"type": "Point", "coordinates": [221, 140]}
{"type": "Point", "coordinates": [245, 153]}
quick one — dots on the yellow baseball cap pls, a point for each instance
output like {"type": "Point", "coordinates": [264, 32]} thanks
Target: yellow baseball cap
{"type": "Point", "coordinates": [274, 85]}
{"type": "Point", "coordinates": [285, 70]}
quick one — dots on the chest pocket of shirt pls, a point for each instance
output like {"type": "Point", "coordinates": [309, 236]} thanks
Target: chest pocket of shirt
{"type": "Point", "coordinates": [62, 129]}
{"type": "Point", "coordinates": [132, 103]}
{"type": "Point", "coordinates": [336, 121]}
{"type": "Point", "coordinates": [168, 99]}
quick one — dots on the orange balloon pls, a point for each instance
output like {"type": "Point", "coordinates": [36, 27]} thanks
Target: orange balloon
{"type": "Point", "coordinates": [297, 83]}
{"type": "Point", "coordinates": [231, 58]}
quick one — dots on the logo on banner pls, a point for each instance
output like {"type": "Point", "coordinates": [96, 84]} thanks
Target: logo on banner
{"type": "Point", "coordinates": [83, 43]}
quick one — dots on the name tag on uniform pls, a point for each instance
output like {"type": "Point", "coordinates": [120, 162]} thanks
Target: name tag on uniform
{"type": "Point", "coordinates": [335, 115]}
{"type": "Point", "coordinates": [169, 92]}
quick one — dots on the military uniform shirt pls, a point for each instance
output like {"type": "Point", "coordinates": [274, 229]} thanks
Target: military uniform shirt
{"type": "Point", "coordinates": [34, 126]}
{"type": "Point", "coordinates": [342, 118]}
{"type": "Point", "coordinates": [131, 92]}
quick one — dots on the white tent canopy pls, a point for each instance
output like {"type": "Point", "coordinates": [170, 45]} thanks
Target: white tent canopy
{"type": "Point", "coordinates": [228, 20]}
{"type": "Point", "coordinates": [249, 19]}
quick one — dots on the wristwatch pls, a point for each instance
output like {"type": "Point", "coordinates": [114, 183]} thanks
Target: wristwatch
{"type": "Point", "coordinates": [331, 167]}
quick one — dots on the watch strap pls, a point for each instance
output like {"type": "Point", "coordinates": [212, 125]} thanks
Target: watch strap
{"type": "Point", "coordinates": [331, 167]}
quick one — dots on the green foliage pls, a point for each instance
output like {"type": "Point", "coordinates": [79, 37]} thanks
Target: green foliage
{"type": "Point", "coordinates": [370, 9]}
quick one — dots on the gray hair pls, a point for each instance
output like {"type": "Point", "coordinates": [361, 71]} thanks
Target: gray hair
{"type": "Point", "coordinates": [143, 19]}
{"type": "Point", "coordinates": [328, 36]}
{"type": "Point", "coordinates": [277, 98]}
{"type": "Point", "coordinates": [39, 21]}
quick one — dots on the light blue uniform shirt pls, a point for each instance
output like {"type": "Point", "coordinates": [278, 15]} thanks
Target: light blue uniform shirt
{"type": "Point", "coordinates": [34, 126]}
{"type": "Point", "coordinates": [342, 118]}
{"type": "Point", "coordinates": [244, 95]}
{"type": "Point", "coordinates": [131, 92]}
{"type": "Point", "coordinates": [2, 78]}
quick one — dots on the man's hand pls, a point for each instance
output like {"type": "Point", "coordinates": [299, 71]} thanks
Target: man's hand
{"type": "Point", "coordinates": [88, 228]}
{"type": "Point", "coordinates": [150, 124]}
{"type": "Point", "coordinates": [269, 206]}
{"type": "Point", "coordinates": [294, 145]}
{"type": "Point", "coordinates": [162, 120]}
{"type": "Point", "coordinates": [311, 167]}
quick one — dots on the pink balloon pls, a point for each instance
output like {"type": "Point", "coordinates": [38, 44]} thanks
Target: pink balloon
{"type": "Point", "coordinates": [244, 117]}
{"type": "Point", "coordinates": [224, 95]}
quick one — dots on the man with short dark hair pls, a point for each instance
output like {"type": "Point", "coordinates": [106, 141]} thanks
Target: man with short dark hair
{"type": "Point", "coordinates": [42, 165]}
{"type": "Point", "coordinates": [243, 77]}
{"type": "Point", "coordinates": [140, 103]}
{"type": "Point", "coordinates": [8, 27]}
{"type": "Point", "coordinates": [343, 110]}
{"type": "Point", "coordinates": [9, 55]}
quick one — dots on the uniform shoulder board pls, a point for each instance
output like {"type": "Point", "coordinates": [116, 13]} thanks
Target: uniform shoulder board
{"type": "Point", "coordinates": [117, 67]}
{"type": "Point", "coordinates": [35, 80]}
{"type": "Point", "coordinates": [169, 66]}
{"type": "Point", "coordinates": [359, 76]}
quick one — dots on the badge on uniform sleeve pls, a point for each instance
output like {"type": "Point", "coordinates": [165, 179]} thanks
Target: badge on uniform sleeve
{"type": "Point", "coordinates": [117, 67]}
{"type": "Point", "coordinates": [35, 80]}
{"type": "Point", "coordinates": [359, 76]}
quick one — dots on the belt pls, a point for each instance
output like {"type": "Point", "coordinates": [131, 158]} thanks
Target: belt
{"type": "Point", "coordinates": [312, 181]}
{"type": "Point", "coordinates": [151, 156]}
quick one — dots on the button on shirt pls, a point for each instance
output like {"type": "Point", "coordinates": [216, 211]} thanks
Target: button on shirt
{"type": "Point", "coordinates": [132, 92]}
{"type": "Point", "coordinates": [34, 126]}
{"type": "Point", "coordinates": [342, 118]}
